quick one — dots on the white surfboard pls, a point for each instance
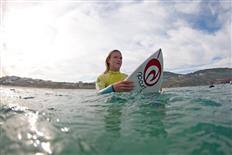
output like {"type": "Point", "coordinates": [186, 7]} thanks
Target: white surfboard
{"type": "Point", "coordinates": [148, 77]}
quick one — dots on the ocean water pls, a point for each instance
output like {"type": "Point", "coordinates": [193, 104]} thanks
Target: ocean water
{"type": "Point", "coordinates": [179, 121]}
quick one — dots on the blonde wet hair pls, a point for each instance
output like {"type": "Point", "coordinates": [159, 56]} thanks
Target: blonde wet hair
{"type": "Point", "coordinates": [107, 60]}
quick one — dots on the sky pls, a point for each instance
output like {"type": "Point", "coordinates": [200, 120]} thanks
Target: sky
{"type": "Point", "coordinates": [67, 40]}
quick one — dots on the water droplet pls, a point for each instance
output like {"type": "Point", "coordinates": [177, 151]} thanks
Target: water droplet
{"type": "Point", "coordinates": [29, 135]}
{"type": "Point", "coordinates": [37, 142]}
{"type": "Point", "coordinates": [64, 129]}
{"type": "Point", "coordinates": [46, 146]}
{"type": "Point", "coordinates": [19, 136]}
{"type": "Point", "coordinates": [34, 137]}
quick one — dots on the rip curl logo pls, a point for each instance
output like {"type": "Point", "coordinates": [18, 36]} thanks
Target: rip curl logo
{"type": "Point", "coordinates": [152, 72]}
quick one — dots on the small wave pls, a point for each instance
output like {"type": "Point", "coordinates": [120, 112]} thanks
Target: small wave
{"type": "Point", "coordinates": [51, 109]}
{"type": "Point", "coordinates": [29, 97]}
{"type": "Point", "coordinates": [206, 102]}
{"type": "Point", "coordinates": [12, 108]}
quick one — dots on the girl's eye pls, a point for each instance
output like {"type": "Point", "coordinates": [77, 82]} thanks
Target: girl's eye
{"type": "Point", "coordinates": [117, 57]}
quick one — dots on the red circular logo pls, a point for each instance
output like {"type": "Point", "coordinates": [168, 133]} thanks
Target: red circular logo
{"type": "Point", "coordinates": [152, 72]}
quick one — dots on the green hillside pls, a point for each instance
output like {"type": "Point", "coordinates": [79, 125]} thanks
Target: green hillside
{"type": "Point", "coordinates": [201, 77]}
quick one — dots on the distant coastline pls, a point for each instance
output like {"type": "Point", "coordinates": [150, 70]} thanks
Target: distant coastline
{"type": "Point", "coordinates": [198, 78]}
{"type": "Point", "coordinates": [39, 83]}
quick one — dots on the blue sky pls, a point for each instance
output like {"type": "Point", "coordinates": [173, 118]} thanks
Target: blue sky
{"type": "Point", "coordinates": [68, 40]}
{"type": "Point", "coordinates": [207, 19]}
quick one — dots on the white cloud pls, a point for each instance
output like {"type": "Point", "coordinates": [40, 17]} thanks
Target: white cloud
{"type": "Point", "coordinates": [68, 41]}
{"type": "Point", "coordinates": [187, 47]}
{"type": "Point", "coordinates": [188, 7]}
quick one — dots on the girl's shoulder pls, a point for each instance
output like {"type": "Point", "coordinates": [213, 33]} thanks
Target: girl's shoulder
{"type": "Point", "coordinates": [102, 76]}
{"type": "Point", "coordinates": [125, 75]}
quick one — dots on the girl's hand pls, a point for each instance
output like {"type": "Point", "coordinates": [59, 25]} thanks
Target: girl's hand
{"type": "Point", "coordinates": [123, 86]}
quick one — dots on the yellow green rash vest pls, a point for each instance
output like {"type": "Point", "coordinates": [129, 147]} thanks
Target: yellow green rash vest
{"type": "Point", "coordinates": [104, 81]}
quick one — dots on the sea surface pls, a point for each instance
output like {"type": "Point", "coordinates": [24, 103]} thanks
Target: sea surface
{"type": "Point", "coordinates": [179, 121]}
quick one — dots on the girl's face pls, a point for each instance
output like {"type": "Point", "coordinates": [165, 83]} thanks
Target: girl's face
{"type": "Point", "coordinates": [115, 61]}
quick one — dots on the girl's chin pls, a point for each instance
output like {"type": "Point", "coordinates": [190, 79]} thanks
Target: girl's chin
{"type": "Point", "coordinates": [118, 66]}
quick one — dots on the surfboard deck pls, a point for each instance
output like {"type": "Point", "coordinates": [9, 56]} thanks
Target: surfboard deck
{"type": "Point", "coordinates": [148, 77]}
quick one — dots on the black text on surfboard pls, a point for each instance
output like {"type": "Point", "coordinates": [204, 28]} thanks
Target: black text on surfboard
{"type": "Point", "coordinates": [140, 81]}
